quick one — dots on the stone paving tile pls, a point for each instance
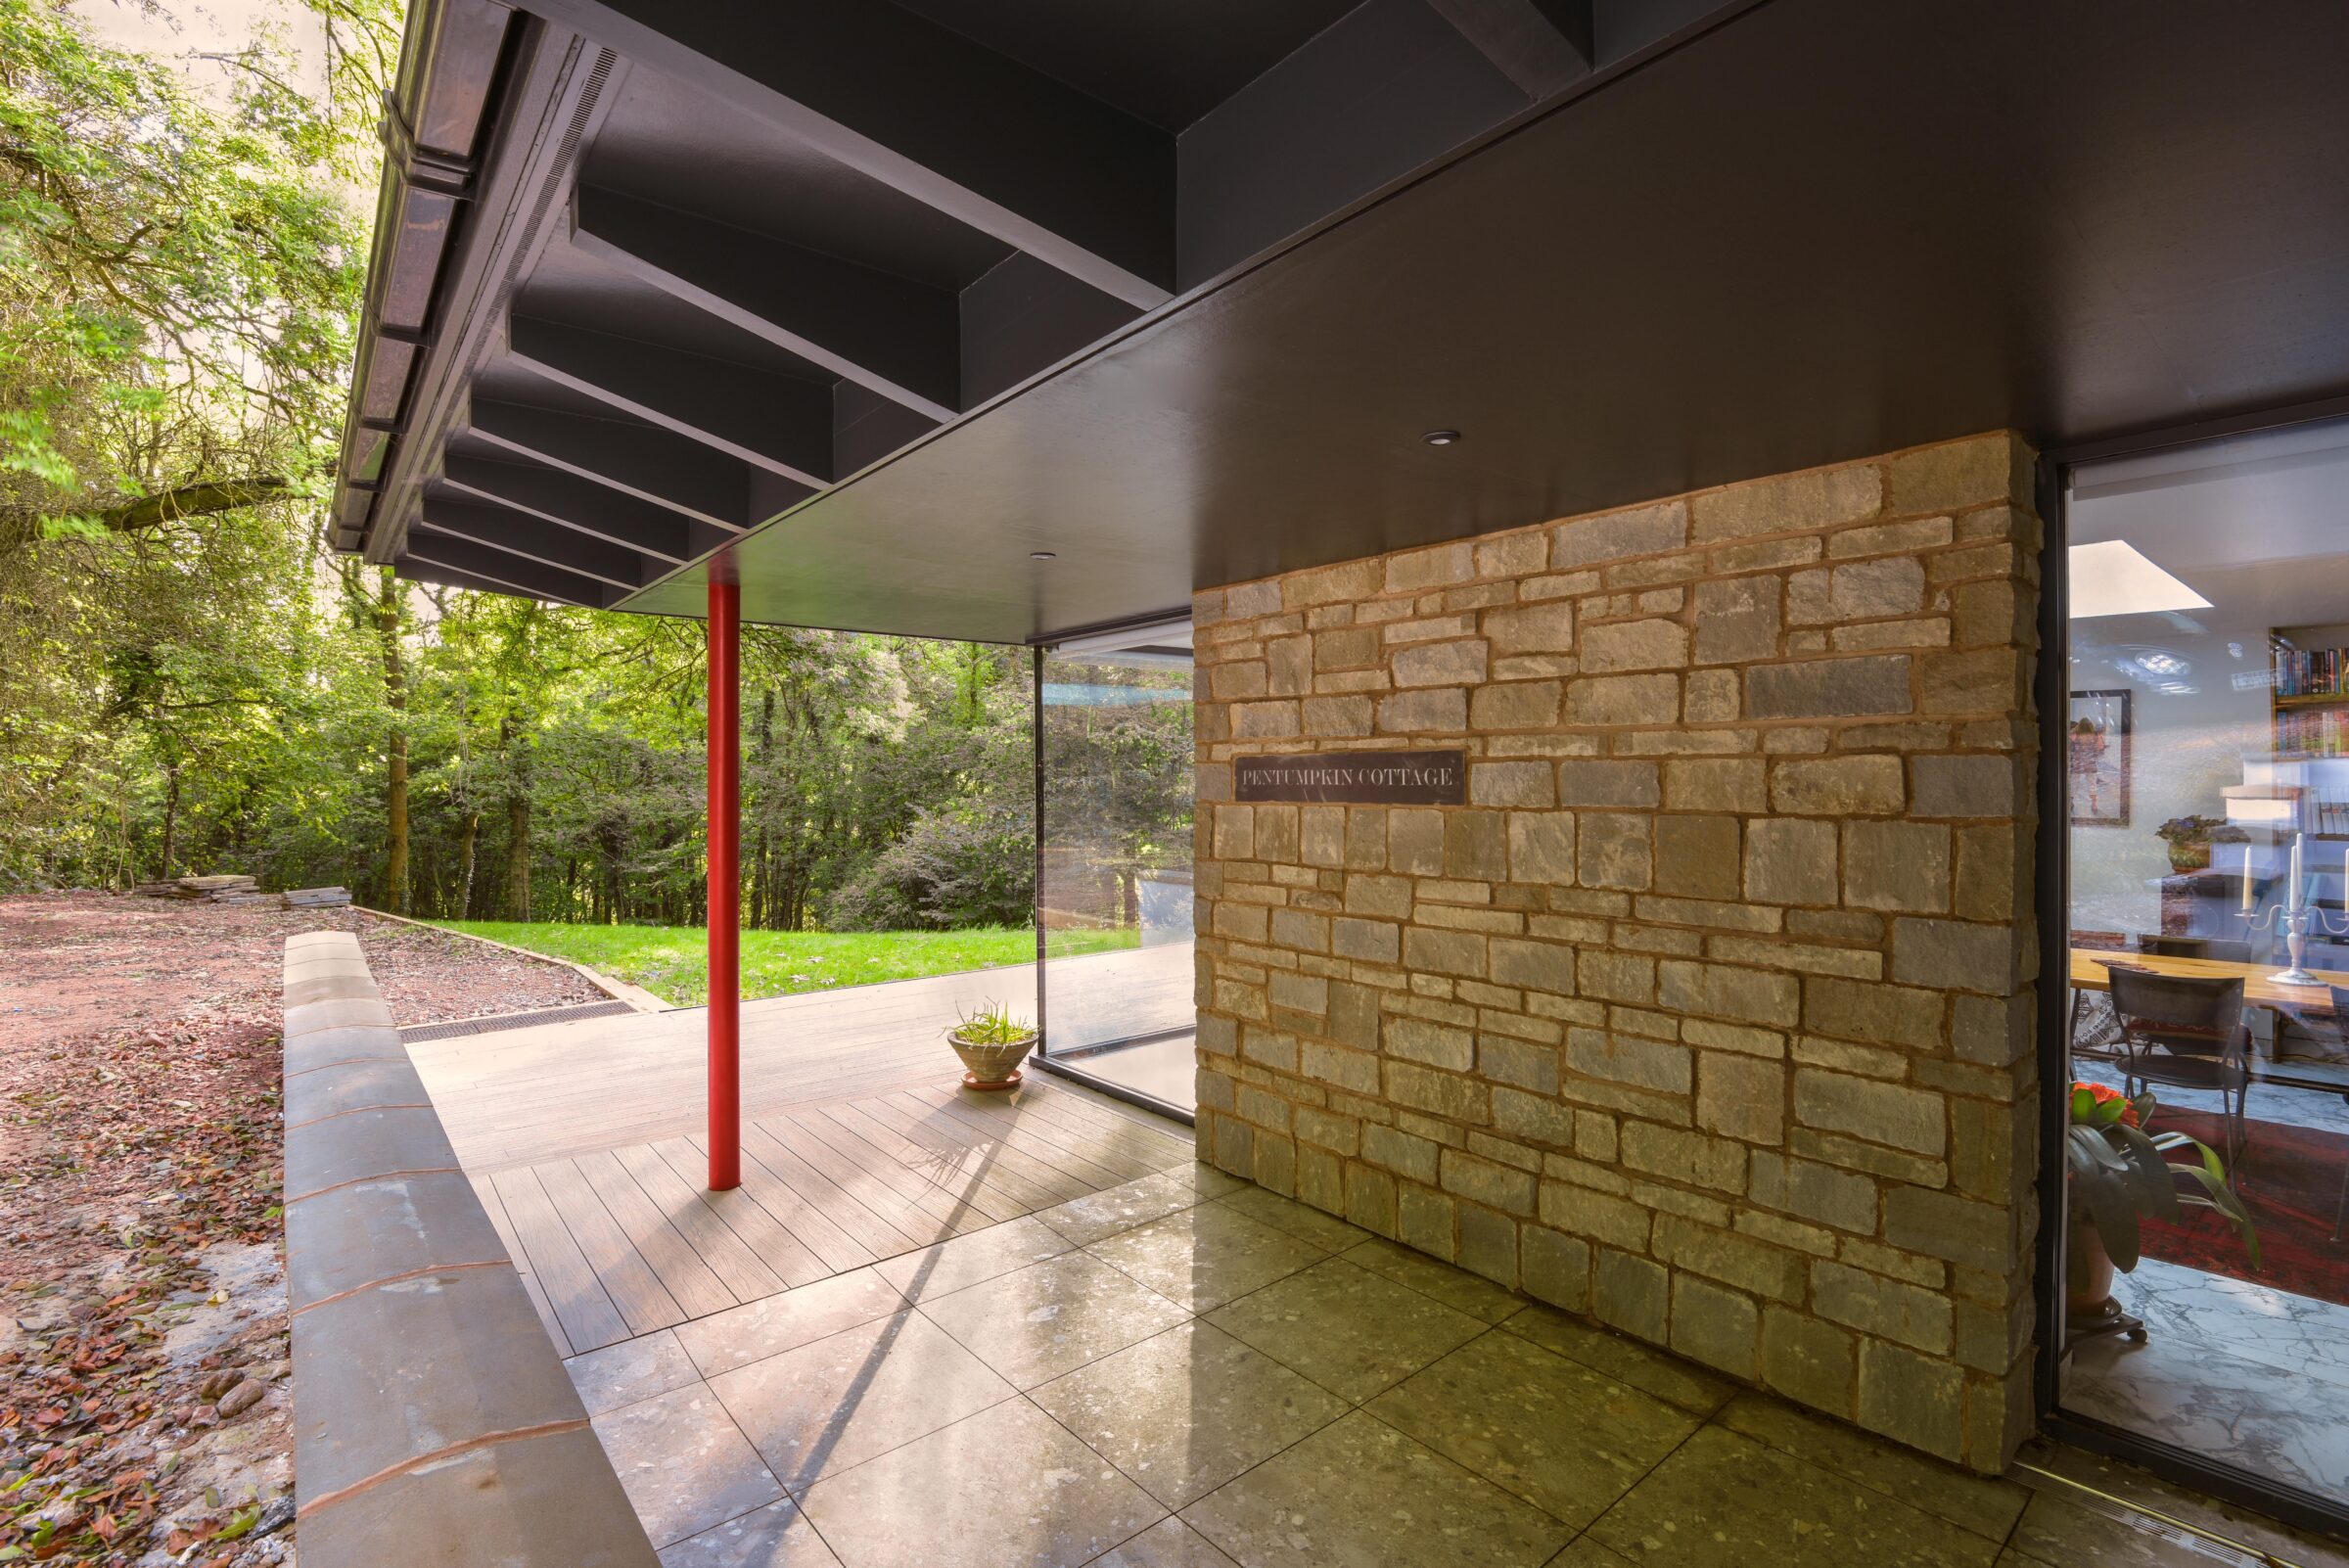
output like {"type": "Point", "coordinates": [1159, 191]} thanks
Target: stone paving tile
{"type": "Point", "coordinates": [1300, 1220]}
{"type": "Point", "coordinates": [2064, 1521]}
{"type": "Point", "coordinates": [683, 1463]}
{"type": "Point", "coordinates": [1347, 1329]}
{"type": "Point", "coordinates": [1188, 1409]}
{"type": "Point", "coordinates": [1206, 1181]}
{"type": "Point", "coordinates": [1168, 1544]}
{"type": "Point", "coordinates": [1358, 1492]}
{"type": "Point", "coordinates": [1585, 1553]}
{"type": "Point", "coordinates": [1455, 1288]}
{"type": "Point", "coordinates": [777, 1536]}
{"type": "Point", "coordinates": [1207, 1256]}
{"type": "Point", "coordinates": [1984, 1504]}
{"type": "Point", "coordinates": [1082, 1222]}
{"type": "Point", "coordinates": [958, 1265]}
{"type": "Point", "coordinates": [1052, 1318]}
{"type": "Point", "coordinates": [773, 1324]}
{"type": "Point", "coordinates": [1007, 1488]}
{"type": "Point", "coordinates": [842, 1400]}
{"type": "Point", "coordinates": [1723, 1501]}
{"type": "Point", "coordinates": [1625, 1360]}
{"type": "Point", "coordinates": [632, 1369]}
{"type": "Point", "coordinates": [1563, 1437]}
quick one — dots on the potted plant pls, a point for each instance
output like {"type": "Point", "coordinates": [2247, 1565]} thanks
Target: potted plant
{"type": "Point", "coordinates": [2117, 1173]}
{"type": "Point", "coordinates": [2189, 838]}
{"type": "Point", "coordinates": [992, 1043]}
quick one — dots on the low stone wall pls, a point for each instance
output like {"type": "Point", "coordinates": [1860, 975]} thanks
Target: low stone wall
{"type": "Point", "coordinates": [432, 1422]}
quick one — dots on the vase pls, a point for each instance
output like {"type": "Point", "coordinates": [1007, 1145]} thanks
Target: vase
{"type": "Point", "coordinates": [2088, 1269]}
{"type": "Point", "coordinates": [2190, 857]}
{"type": "Point", "coordinates": [990, 1066]}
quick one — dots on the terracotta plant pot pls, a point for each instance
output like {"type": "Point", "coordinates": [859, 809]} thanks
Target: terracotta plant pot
{"type": "Point", "coordinates": [2088, 1282]}
{"type": "Point", "coordinates": [990, 1066]}
{"type": "Point", "coordinates": [2190, 857]}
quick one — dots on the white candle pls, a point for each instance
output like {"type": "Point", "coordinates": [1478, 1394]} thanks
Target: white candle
{"type": "Point", "coordinates": [2298, 896]}
{"type": "Point", "coordinates": [2247, 876]}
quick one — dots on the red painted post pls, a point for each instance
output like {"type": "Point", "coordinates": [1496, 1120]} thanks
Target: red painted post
{"type": "Point", "coordinates": [725, 873]}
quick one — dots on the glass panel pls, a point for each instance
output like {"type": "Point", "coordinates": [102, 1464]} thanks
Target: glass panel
{"type": "Point", "coordinates": [2207, 741]}
{"type": "Point", "coordinates": [1115, 896]}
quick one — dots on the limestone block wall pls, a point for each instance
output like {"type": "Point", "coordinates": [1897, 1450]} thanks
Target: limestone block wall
{"type": "Point", "coordinates": [1710, 1014]}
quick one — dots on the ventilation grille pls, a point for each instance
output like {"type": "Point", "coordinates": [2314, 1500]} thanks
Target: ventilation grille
{"type": "Point", "coordinates": [486, 1026]}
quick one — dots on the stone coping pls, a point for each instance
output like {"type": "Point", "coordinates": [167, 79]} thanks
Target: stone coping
{"type": "Point", "coordinates": [434, 1423]}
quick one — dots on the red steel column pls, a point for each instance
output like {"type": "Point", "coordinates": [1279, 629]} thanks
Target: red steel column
{"type": "Point", "coordinates": [725, 874]}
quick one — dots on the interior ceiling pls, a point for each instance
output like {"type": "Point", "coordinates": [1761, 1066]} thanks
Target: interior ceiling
{"type": "Point", "coordinates": [1818, 230]}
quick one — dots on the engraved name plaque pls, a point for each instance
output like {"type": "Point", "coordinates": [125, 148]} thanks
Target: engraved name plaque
{"type": "Point", "coordinates": [1355, 778]}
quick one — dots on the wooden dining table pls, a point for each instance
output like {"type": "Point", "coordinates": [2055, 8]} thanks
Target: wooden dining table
{"type": "Point", "coordinates": [2260, 989]}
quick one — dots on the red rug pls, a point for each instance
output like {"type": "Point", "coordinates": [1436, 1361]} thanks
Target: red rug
{"type": "Point", "coordinates": [2290, 1179]}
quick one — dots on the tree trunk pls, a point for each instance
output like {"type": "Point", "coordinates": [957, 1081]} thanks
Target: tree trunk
{"type": "Point", "coordinates": [468, 841]}
{"type": "Point", "coordinates": [518, 854]}
{"type": "Point", "coordinates": [388, 605]}
{"type": "Point", "coordinates": [170, 819]}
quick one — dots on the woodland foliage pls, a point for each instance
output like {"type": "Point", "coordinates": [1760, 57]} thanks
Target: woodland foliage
{"type": "Point", "coordinates": [191, 683]}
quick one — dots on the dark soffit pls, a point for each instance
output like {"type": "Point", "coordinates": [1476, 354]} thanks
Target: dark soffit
{"type": "Point", "coordinates": [1825, 229]}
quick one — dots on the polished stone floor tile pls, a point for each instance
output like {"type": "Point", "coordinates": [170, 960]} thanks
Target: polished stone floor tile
{"type": "Point", "coordinates": [956, 1264]}
{"type": "Point", "coordinates": [1455, 1288]}
{"type": "Point", "coordinates": [1007, 1488]}
{"type": "Point", "coordinates": [1347, 1329]}
{"type": "Point", "coordinates": [1984, 1504]}
{"type": "Point", "coordinates": [1723, 1501]}
{"type": "Point", "coordinates": [2141, 1489]}
{"type": "Point", "coordinates": [1083, 1221]}
{"type": "Point", "coordinates": [776, 1536]}
{"type": "Point", "coordinates": [1623, 1358]}
{"type": "Point", "coordinates": [1185, 1410]}
{"type": "Point", "coordinates": [1207, 1256]}
{"type": "Point", "coordinates": [632, 1369]}
{"type": "Point", "coordinates": [683, 1463]}
{"type": "Point", "coordinates": [1052, 1318]}
{"type": "Point", "coordinates": [1357, 1493]}
{"type": "Point", "coordinates": [842, 1400]}
{"type": "Point", "coordinates": [1168, 1544]}
{"type": "Point", "coordinates": [1561, 1436]}
{"type": "Point", "coordinates": [1206, 1181]}
{"type": "Point", "coordinates": [1585, 1553]}
{"type": "Point", "coordinates": [1300, 1220]}
{"type": "Point", "coordinates": [773, 1324]}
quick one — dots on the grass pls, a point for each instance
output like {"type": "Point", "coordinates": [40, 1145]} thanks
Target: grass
{"type": "Point", "coordinates": [672, 961]}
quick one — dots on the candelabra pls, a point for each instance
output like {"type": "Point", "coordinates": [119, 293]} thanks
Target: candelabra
{"type": "Point", "coordinates": [2295, 917]}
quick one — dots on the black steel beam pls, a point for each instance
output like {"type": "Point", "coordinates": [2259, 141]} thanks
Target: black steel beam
{"type": "Point", "coordinates": [989, 141]}
{"type": "Point", "coordinates": [533, 539]}
{"type": "Point", "coordinates": [883, 332]}
{"type": "Point", "coordinates": [581, 505]}
{"type": "Point", "coordinates": [781, 425]}
{"type": "Point", "coordinates": [508, 571]}
{"type": "Point", "coordinates": [636, 459]}
{"type": "Point", "coordinates": [1541, 45]}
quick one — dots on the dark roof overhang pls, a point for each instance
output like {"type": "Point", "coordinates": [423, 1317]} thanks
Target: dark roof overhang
{"type": "Point", "coordinates": [863, 304]}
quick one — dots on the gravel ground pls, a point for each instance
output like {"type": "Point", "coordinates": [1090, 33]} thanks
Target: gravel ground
{"type": "Point", "coordinates": [143, 1356]}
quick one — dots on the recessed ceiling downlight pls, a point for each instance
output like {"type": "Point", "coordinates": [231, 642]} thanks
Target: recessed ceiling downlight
{"type": "Point", "coordinates": [2111, 577]}
{"type": "Point", "coordinates": [1440, 438]}
{"type": "Point", "coordinates": [1044, 555]}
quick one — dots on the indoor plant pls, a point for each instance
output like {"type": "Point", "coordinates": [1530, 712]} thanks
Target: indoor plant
{"type": "Point", "coordinates": [2189, 838]}
{"type": "Point", "coordinates": [991, 1044]}
{"type": "Point", "coordinates": [2117, 1174]}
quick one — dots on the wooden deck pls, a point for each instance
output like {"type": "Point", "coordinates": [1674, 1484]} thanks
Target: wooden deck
{"type": "Point", "coordinates": [584, 1141]}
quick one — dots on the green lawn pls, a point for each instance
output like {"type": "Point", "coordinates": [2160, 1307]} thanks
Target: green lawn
{"type": "Point", "coordinates": [672, 962]}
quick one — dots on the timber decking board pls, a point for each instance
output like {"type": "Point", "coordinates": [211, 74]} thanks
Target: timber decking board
{"type": "Point", "coordinates": [587, 1142]}
{"type": "Point", "coordinates": [589, 1320]}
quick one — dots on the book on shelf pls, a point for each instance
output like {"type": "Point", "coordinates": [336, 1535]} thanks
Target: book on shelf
{"type": "Point", "coordinates": [2315, 732]}
{"type": "Point", "coordinates": [2311, 671]}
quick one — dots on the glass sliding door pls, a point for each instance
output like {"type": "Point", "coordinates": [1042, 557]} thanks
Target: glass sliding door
{"type": "Point", "coordinates": [2206, 771]}
{"type": "Point", "coordinates": [1114, 878]}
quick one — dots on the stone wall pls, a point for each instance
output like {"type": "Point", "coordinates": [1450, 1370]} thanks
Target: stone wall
{"type": "Point", "coordinates": [1710, 1014]}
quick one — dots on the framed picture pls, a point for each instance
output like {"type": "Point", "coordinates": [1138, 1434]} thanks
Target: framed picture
{"type": "Point", "coordinates": [2098, 732]}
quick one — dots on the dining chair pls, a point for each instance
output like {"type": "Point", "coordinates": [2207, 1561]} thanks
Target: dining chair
{"type": "Point", "coordinates": [2187, 1032]}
